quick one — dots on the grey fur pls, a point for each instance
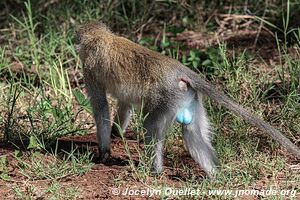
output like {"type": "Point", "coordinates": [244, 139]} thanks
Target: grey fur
{"type": "Point", "coordinates": [134, 74]}
{"type": "Point", "coordinates": [156, 124]}
{"type": "Point", "coordinates": [101, 114]}
{"type": "Point", "coordinates": [197, 137]}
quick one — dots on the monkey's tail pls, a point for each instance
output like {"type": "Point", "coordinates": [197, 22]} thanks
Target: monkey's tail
{"type": "Point", "coordinates": [206, 88]}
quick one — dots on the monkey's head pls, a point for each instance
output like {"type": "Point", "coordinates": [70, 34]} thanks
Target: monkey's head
{"type": "Point", "coordinates": [89, 33]}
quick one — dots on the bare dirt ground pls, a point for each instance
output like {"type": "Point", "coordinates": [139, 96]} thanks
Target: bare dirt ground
{"type": "Point", "coordinates": [101, 181]}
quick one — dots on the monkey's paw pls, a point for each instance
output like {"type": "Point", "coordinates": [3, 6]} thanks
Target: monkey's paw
{"type": "Point", "coordinates": [104, 157]}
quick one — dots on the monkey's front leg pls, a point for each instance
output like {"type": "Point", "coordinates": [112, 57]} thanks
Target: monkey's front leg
{"type": "Point", "coordinates": [101, 114]}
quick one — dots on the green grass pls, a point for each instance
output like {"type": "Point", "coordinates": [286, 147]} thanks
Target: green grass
{"type": "Point", "coordinates": [54, 191]}
{"type": "Point", "coordinates": [42, 96]}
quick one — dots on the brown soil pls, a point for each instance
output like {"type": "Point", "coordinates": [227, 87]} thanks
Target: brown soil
{"type": "Point", "coordinates": [102, 179]}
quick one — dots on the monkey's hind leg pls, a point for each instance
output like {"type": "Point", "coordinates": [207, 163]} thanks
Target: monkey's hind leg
{"type": "Point", "coordinates": [121, 119]}
{"type": "Point", "coordinates": [197, 138]}
{"type": "Point", "coordinates": [156, 124]}
{"type": "Point", "coordinates": [101, 114]}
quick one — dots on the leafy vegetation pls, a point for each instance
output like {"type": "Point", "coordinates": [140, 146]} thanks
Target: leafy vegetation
{"type": "Point", "coordinates": [42, 96]}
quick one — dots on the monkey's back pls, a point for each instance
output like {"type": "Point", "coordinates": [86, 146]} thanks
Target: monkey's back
{"type": "Point", "coordinates": [143, 67]}
{"type": "Point", "coordinates": [128, 71]}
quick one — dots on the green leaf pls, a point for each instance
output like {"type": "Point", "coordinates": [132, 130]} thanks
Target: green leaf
{"type": "Point", "coordinates": [197, 59]}
{"type": "Point", "coordinates": [33, 143]}
{"type": "Point", "coordinates": [165, 44]}
{"type": "Point", "coordinates": [17, 153]}
{"type": "Point", "coordinates": [190, 59]}
{"type": "Point", "coordinates": [185, 21]}
{"type": "Point", "coordinates": [195, 64]}
{"type": "Point", "coordinates": [206, 62]}
{"type": "Point", "coordinates": [3, 169]}
{"type": "Point", "coordinates": [192, 54]}
{"type": "Point", "coordinates": [2, 164]}
{"type": "Point", "coordinates": [184, 59]}
{"type": "Point", "coordinates": [82, 100]}
{"type": "Point", "coordinates": [187, 63]}
{"type": "Point", "coordinates": [5, 177]}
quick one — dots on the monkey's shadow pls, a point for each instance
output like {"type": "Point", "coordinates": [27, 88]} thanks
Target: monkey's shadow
{"type": "Point", "coordinates": [83, 145]}
{"type": "Point", "coordinates": [63, 146]}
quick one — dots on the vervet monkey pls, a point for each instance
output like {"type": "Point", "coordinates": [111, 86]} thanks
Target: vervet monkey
{"type": "Point", "coordinates": [134, 74]}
